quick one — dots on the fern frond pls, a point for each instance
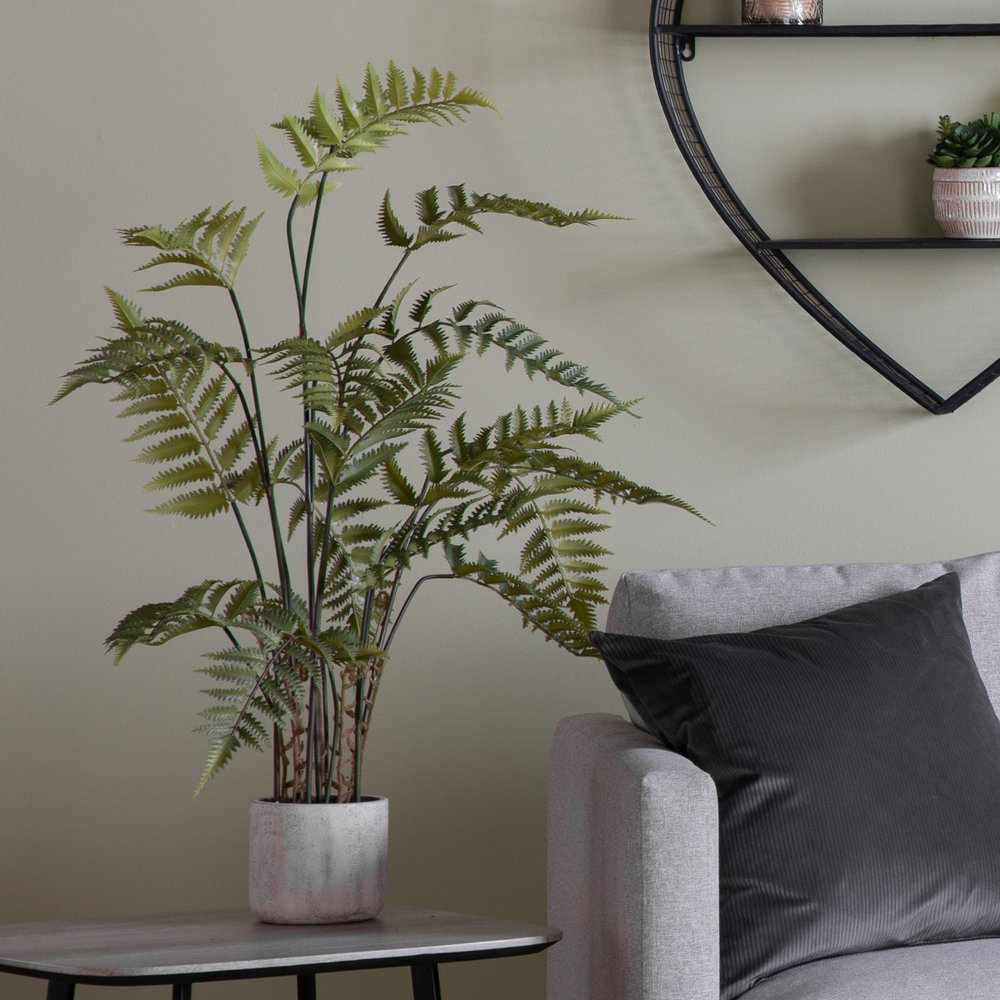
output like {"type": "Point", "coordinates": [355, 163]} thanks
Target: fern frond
{"type": "Point", "coordinates": [278, 177]}
{"type": "Point", "coordinates": [197, 504]}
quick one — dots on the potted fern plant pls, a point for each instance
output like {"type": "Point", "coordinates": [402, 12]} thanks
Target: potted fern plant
{"type": "Point", "coordinates": [385, 473]}
{"type": "Point", "coordinates": [967, 177]}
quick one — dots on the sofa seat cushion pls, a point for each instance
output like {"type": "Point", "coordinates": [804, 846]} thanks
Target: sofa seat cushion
{"type": "Point", "coordinates": [966, 970]}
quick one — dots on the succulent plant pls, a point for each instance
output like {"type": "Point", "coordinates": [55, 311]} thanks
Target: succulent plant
{"type": "Point", "coordinates": [970, 144]}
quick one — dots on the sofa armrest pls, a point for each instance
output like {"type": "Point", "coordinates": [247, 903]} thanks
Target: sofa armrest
{"type": "Point", "coordinates": [633, 870]}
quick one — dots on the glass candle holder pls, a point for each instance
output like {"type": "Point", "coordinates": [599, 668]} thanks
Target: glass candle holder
{"type": "Point", "coordinates": [782, 11]}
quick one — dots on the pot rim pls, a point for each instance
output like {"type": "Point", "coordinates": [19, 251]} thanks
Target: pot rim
{"type": "Point", "coordinates": [366, 800]}
{"type": "Point", "coordinates": [969, 173]}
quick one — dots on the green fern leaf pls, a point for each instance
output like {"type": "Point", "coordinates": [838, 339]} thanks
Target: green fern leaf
{"type": "Point", "coordinates": [419, 91]}
{"type": "Point", "coordinates": [178, 446]}
{"type": "Point", "coordinates": [332, 163]}
{"type": "Point", "coordinates": [128, 314]}
{"type": "Point", "coordinates": [350, 116]}
{"type": "Point", "coordinates": [433, 456]}
{"type": "Point", "coordinates": [399, 93]}
{"type": "Point", "coordinates": [428, 209]}
{"type": "Point", "coordinates": [279, 178]}
{"type": "Point", "coordinates": [196, 277]}
{"type": "Point", "coordinates": [374, 99]}
{"type": "Point", "coordinates": [240, 248]}
{"type": "Point", "coordinates": [234, 446]}
{"type": "Point", "coordinates": [356, 325]}
{"type": "Point", "coordinates": [436, 83]}
{"type": "Point", "coordinates": [474, 98]}
{"type": "Point", "coordinates": [198, 504]}
{"type": "Point", "coordinates": [324, 124]}
{"type": "Point", "coordinates": [302, 143]}
{"type": "Point", "coordinates": [159, 425]}
{"type": "Point", "coordinates": [220, 754]}
{"type": "Point", "coordinates": [191, 472]}
{"type": "Point", "coordinates": [393, 233]}
{"type": "Point", "coordinates": [398, 485]}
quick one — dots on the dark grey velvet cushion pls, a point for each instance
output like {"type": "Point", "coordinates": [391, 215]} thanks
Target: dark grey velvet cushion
{"type": "Point", "coordinates": [857, 761]}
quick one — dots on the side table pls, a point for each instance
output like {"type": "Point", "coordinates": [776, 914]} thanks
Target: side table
{"type": "Point", "coordinates": [193, 948]}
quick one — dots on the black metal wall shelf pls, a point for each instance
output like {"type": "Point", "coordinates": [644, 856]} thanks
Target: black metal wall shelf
{"type": "Point", "coordinates": [672, 44]}
{"type": "Point", "coordinates": [828, 30]}
{"type": "Point", "coordinates": [882, 243]}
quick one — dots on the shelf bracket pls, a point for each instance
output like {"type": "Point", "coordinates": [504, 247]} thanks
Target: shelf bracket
{"type": "Point", "coordinates": [687, 47]}
{"type": "Point", "coordinates": [670, 50]}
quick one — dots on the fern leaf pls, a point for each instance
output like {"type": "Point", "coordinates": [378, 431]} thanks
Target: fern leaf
{"type": "Point", "coordinates": [393, 233]}
{"type": "Point", "coordinates": [240, 247]}
{"type": "Point", "coordinates": [302, 143]}
{"type": "Point", "coordinates": [324, 124]}
{"type": "Point", "coordinates": [351, 117]}
{"type": "Point", "coordinates": [220, 754]}
{"type": "Point", "coordinates": [433, 456]}
{"type": "Point", "coordinates": [356, 325]}
{"type": "Point", "coordinates": [428, 208]}
{"type": "Point", "coordinates": [474, 98]}
{"type": "Point", "coordinates": [234, 446]}
{"type": "Point", "coordinates": [127, 313]}
{"type": "Point", "coordinates": [419, 91]}
{"type": "Point", "coordinates": [333, 163]}
{"type": "Point", "coordinates": [177, 446]}
{"type": "Point", "coordinates": [399, 93]}
{"type": "Point", "coordinates": [198, 504]}
{"type": "Point", "coordinates": [191, 472]}
{"type": "Point", "coordinates": [398, 485]}
{"type": "Point", "coordinates": [195, 277]}
{"type": "Point", "coordinates": [159, 425]}
{"type": "Point", "coordinates": [436, 83]}
{"type": "Point", "coordinates": [374, 99]}
{"type": "Point", "coordinates": [278, 177]}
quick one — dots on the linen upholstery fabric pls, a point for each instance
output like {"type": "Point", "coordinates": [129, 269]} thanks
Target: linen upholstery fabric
{"type": "Point", "coordinates": [857, 762]}
{"type": "Point", "coordinates": [964, 970]}
{"type": "Point", "coordinates": [633, 872]}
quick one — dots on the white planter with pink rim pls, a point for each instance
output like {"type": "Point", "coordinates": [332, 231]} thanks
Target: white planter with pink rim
{"type": "Point", "coordinates": [967, 202]}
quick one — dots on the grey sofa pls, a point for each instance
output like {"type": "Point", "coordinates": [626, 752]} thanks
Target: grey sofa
{"type": "Point", "coordinates": [633, 829]}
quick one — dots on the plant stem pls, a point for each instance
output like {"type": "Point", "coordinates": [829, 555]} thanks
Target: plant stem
{"type": "Point", "coordinates": [253, 555]}
{"type": "Point", "coordinates": [309, 470]}
{"type": "Point", "coordinates": [409, 598]}
{"type": "Point", "coordinates": [392, 278]}
{"type": "Point", "coordinates": [359, 697]}
{"type": "Point", "coordinates": [301, 297]}
{"type": "Point", "coordinates": [310, 740]}
{"type": "Point", "coordinates": [279, 545]}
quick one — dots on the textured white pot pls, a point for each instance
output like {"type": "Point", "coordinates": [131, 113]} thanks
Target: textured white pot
{"type": "Point", "coordinates": [318, 864]}
{"type": "Point", "coordinates": [967, 202]}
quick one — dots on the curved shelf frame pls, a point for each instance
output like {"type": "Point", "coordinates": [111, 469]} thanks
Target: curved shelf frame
{"type": "Point", "coordinates": [670, 48]}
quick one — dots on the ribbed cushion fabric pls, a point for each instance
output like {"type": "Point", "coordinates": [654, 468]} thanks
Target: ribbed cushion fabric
{"type": "Point", "coordinates": [857, 761]}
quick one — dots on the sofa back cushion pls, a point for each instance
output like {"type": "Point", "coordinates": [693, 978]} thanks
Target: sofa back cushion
{"type": "Point", "coordinates": [856, 757]}
{"type": "Point", "coordinates": [680, 603]}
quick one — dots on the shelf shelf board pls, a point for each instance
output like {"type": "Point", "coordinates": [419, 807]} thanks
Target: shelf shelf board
{"type": "Point", "coordinates": [828, 30]}
{"type": "Point", "coordinates": [882, 243]}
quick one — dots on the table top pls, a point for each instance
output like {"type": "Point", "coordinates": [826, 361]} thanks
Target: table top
{"type": "Point", "coordinates": [234, 944]}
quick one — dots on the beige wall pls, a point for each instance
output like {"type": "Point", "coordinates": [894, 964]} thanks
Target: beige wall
{"type": "Point", "coordinates": [117, 113]}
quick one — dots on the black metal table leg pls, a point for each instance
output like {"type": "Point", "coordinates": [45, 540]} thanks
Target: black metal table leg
{"type": "Point", "coordinates": [426, 983]}
{"type": "Point", "coordinates": [182, 991]}
{"type": "Point", "coordinates": [307, 987]}
{"type": "Point", "coordinates": [61, 989]}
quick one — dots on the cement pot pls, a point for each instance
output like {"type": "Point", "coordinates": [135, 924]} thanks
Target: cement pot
{"type": "Point", "coordinates": [967, 202]}
{"type": "Point", "coordinates": [318, 864]}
